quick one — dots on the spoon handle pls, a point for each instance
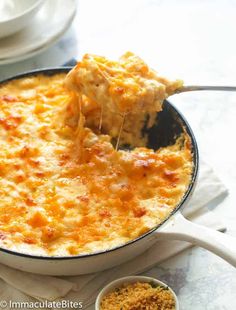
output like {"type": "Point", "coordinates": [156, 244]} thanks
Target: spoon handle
{"type": "Point", "coordinates": [198, 87]}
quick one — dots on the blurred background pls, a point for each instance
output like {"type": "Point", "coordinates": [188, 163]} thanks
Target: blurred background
{"type": "Point", "coordinates": [188, 39]}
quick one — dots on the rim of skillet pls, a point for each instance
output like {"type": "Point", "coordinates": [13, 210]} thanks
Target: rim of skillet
{"type": "Point", "coordinates": [195, 153]}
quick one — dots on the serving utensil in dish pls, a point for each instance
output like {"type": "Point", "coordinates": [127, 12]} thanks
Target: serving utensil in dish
{"type": "Point", "coordinates": [188, 88]}
{"type": "Point", "coordinates": [129, 280]}
{"type": "Point", "coordinates": [171, 124]}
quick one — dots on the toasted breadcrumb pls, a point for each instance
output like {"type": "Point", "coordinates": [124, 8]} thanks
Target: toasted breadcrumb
{"type": "Point", "coordinates": [139, 296]}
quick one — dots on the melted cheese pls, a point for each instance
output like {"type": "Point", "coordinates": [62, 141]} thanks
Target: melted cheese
{"type": "Point", "coordinates": [111, 90]}
{"type": "Point", "coordinates": [126, 85]}
{"type": "Point", "coordinates": [54, 203]}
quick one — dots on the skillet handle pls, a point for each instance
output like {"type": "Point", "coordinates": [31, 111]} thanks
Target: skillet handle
{"type": "Point", "coordinates": [219, 243]}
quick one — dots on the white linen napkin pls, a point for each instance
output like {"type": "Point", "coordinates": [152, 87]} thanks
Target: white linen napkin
{"type": "Point", "coordinates": [18, 286]}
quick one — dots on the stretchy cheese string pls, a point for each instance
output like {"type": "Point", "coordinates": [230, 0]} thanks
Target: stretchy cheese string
{"type": "Point", "coordinates": [100, 120]}
{"type": "Point", "coordinates": [79, 130]}
{"type": "Point", "coordinates": [106, 77]}
{"type": "Point", "coordinates": [120, 131]}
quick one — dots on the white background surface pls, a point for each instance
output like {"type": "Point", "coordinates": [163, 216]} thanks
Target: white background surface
{"type": "Point", "coordinates": [196, 41]}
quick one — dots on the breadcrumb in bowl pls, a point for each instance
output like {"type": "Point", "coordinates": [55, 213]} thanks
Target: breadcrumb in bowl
{"type": "Point", "coordinates": [137, 293]}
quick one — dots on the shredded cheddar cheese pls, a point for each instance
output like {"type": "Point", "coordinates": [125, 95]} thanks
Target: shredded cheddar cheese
{"type": "Point", "coordinates": [54, 203]}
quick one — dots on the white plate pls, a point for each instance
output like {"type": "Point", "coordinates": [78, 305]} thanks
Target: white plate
{"type": "Point", "coordinates": [48, 26]}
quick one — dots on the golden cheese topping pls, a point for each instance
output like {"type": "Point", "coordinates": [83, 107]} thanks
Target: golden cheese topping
{"type": "Point", "coordinates": [51, 203]}
{"type": "Point", "coordinates": [139, 296]}
{"type": "Point", "coordinates": [124, 86]}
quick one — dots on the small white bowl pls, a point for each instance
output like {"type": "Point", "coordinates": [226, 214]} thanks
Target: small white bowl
{"type": "Point", "coordinates": [119, 282]}
{"type": "Point", "coordinates": [16, 15]}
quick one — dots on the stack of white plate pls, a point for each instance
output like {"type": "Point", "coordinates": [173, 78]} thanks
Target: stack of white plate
{"type": "Point", "coordinates": [48, 24]}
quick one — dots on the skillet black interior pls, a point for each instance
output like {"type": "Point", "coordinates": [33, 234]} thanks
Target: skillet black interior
{"type": "Point", "coordinates": [169, 125]}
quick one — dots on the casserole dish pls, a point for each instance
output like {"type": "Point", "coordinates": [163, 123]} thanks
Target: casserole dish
{"type": "Point", "coordinates": [170, 125]}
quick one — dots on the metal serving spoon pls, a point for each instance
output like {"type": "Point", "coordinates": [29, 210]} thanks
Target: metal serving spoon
{"type": "Point", "coordinates": [183, 89]}
{"type": "Point", "coordinates": [199, 87]}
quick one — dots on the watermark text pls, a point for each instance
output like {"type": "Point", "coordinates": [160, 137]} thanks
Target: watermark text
{"type": "Point", "coordinates": [62, 304]}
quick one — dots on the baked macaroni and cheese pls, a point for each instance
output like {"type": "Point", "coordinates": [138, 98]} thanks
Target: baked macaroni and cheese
{"type": "Point", "coordinates": [124, 86]}
{"type": "Point", "coordinates": [55, 202]}
{"type": "Point", "coordinates": [110, 91]}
